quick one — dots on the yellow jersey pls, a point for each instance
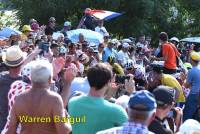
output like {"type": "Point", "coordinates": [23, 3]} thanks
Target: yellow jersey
{"type": "Point", "coordinates": [171, 81]}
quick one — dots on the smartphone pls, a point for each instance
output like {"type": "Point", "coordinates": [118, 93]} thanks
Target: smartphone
{"type": "Point", "coordinates": [121, 79]}
{"type": "Point", "coordinates": [44, 46]}
{"type": "Point", "coordinates": [172, 114]}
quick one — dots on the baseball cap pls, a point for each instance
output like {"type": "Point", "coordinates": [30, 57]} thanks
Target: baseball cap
{"type": "Point", "coordinates": [125, 45]}
{"type": "Point", "coordinates": [117, 42]}
{"type": "Point", "coordinates": [111, 42]}
{"type": "Point", "coordinates": [106, 34]}
{"type": "Point", "coordinates": [123, 101]}
{"type": "Point", "coordinates": [174, 39]}
{"type": "Point", "coordinates": [32, 21]}
{"type": "Point", "coordinates": [54, 45]}
{"type": "Point", "coordinates": [195, 56]}
{"type": "Point", "coordinates": [157, 66]}
{"type": "Point", "coordinates": [127, 41]}
{"type": "Point", "coordinates": [189, 126]}
{"type": "Point", "coordinates": [79, 53]}
{"type": "Point", "coordinates": [158, 63]}
{"type": "Point", "coordinates": [142, 101]}
{"type": "Point", "coordinates": [67, 23]}
{"type": "Point", "coordinates": [26, 28]}
{"type": "Point", "coordinates": [93, 49]}
{"type": "Point", "coordinates": [187, 65]}
{"type": "Point", "coordinates": [164, 95]}
{"type": "Point", "coordinates": [52, 19]}
{"type": "Point", "coordinates": [62, 50]}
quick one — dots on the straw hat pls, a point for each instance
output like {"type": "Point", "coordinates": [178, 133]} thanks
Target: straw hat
{"type": "Point", "coordinates": [13, 57]}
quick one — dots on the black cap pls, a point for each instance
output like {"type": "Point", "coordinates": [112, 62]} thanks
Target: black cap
{"type": "Point", "coordinates": [54, 45]}
{"type": "Point", "coordinates": [164, 95]}
{"type": "Point", "coordinates": [157, 68]}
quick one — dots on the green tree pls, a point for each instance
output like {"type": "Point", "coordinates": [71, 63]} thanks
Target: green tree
{"type": "Point", "coordinates": [139, 16]}
{"type": "Point", "coordinates": [193, 11]}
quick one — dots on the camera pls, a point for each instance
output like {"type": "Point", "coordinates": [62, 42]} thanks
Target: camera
{"type": "Point", "coordinates": [172, 113]}
{"type": "Point", "coordinates": [44, 46]}
{"type": "Point", "coordinates": [121, 79]}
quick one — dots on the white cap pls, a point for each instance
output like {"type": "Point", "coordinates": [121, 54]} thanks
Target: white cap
{"type": "Point", "coordinates": [91, 44]}
{"type": "Point", "coordinates": [67, 23]}
{"type": "Point", "coordinates": [189, 126]}
{"type": "Point", "coordinates": [116, 41]}
{"type": "Point", "coordinates": [26, 70]}
{"type": "Point", "coordinates": [106, 34]}
{"type": "Point", "coordinates": [126, 41]}
{"type": "Point", "coordinates": [79, 53]}
{"type": "Point", "coordinates": [174, 39]}
{"type": "Point", "coordinates": [161, 63]}
{"type": "Point", "coordinates": [125, 45]}
{"type": "Point", "coordinates": [111, 41]}
{"type": "Point", "coordinates": [123, 101]}
{"type": "Point", "coordinates": [63, 50]}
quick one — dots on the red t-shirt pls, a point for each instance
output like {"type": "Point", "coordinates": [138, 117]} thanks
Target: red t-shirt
{"type": "Point", "coordinates": [169, 52]}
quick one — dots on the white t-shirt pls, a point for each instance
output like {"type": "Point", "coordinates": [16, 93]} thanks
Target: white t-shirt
{"type": "Point", "coordinates": [101, 30]}
{"type": "Point", "coordinates": [122, 57]}
{"type": "Point", "coordinates": [81, 68]}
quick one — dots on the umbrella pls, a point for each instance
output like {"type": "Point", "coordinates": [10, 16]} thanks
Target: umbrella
{"type": "Point", "coordinates": [103, 14]}
{"type": "Point", "coordinates": [191, 40]}
{"type": "Point", "coordinates": [7, 32]}
{"type": "Point", "coordinates": [90, 36]}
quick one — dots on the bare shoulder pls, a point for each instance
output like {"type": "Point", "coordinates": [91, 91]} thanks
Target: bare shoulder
{"type": "Point", "coordinates": [22, 96]}
{"type": "Point", "coordinates": [53, 96]}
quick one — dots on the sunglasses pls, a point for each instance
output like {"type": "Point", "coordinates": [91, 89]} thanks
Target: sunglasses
{"type": "Point", "coordinates": [101, 47]}
{"type": "Point", "coordinates": [128, 69]}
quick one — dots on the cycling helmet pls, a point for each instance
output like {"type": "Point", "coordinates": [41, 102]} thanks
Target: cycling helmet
{"type": "Point", "coordinates": [26, 70]}
{"type": "Point", "coordinates": [62, 50]}
{"type": "Point", "coordinates": [174, 39]}
{"type": "Point", "coordinates": [129, 64]}
{"type": "Point", "coordinates": [111, 59]}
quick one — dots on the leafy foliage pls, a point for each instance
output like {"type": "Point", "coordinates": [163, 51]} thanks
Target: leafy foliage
{"type": "Point", "coordinates": [8, 18]}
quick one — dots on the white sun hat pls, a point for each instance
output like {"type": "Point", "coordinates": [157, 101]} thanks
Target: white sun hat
{"type": "Point", "coordinates": [13, 56]}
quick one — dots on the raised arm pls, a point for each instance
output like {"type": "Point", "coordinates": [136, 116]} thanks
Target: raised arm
{"type": "Point", "coordinates": [69, 75]}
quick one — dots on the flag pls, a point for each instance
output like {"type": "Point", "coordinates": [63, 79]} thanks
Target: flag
{"type": "Point", "coordinates": [103, 15]}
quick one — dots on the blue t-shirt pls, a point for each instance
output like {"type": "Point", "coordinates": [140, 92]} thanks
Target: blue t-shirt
{"type": "Point", "coordinates": [108, 52]}
{"type": "Point", "coordinates": [193, 78]}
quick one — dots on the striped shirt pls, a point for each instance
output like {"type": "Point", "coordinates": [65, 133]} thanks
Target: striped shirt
{"type": "Point", "coordinates": [128, 128]}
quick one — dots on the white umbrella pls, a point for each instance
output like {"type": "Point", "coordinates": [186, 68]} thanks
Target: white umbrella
{"type": "Point", "coordinates": [191, 39]}
{"type": "Point", "coordinates": [90, 36]}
